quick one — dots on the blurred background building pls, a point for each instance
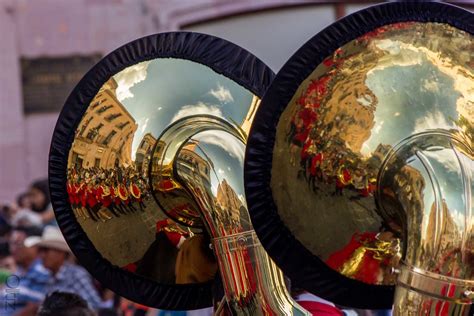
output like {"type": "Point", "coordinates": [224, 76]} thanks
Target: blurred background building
{"type": "Point", "coordinates": [48, 45]}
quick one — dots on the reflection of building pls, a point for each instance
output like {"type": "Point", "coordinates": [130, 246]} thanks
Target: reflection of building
{"type": "Point", "coordinates": [442, 225]}
{"type": "Point", "coordinates": [247, 123]}
{"type": "Point", "coordinates": [195, 166]}
{"type": "Point", "coordinates": [228, 200]}
{"type": "Point", "coordinates": [409, 185]}
{"type": "Point", "coordinates": [104, 136]}
{"type": "Point", "coordinates": [144, 150]}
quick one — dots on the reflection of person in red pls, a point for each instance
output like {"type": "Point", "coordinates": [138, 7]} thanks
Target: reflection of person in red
{"type": "Point", "coordinates": [367, 257]}
{"type": "Point", "coordinates": [343, 179]}
{"type": "Point", "coordinates": [158, 262]}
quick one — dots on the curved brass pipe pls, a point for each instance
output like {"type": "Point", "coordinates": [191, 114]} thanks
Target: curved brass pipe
{"type": "Point", "coordinates": [436, 276]}
{"type": "Point", "coordinates": [204, 154]}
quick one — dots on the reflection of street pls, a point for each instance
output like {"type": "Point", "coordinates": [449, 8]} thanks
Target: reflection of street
{"type": "Point", "coordinates": [124, 239]}
{"type": "Point", "coordinates": [323, 222]}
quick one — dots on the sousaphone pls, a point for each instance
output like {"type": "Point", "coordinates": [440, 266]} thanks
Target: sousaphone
{"type": "Point", "coordinates": [146, 175]}
{"type": "Point", "coordinates": [359, 163]}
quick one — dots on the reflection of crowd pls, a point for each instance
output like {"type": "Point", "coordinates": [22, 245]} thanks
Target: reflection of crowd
{"type": "Point", "coordinates": [324, 158]}
{"type": "Point", "coordinates": [99, 193]}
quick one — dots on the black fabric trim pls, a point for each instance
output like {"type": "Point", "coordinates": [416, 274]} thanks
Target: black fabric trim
{"type": "Point", "coordinates": [223, 57]}
{"type": "Point", "coordinates": [302, 267]}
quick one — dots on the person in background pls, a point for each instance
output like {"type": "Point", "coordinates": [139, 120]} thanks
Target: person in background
{"type": "Point", "coordinates": [41, 202]}
{"type": "Point", "coordinates": [30, 277]}
{"type": "Point", "coordinates": [314, 304]}
{"type": "Point", "coordinates": [23, 215]}
{"type": "Point", "coordinates": [65, 276]}
{"type": "Point", "coordinates": [64, 304]}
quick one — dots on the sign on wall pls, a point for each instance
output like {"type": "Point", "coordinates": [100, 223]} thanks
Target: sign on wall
{"type": "Point", "coordinates": [47, 81]}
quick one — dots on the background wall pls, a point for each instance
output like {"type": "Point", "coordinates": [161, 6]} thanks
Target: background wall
{"type": "Point", "coordinates": [54, 29]}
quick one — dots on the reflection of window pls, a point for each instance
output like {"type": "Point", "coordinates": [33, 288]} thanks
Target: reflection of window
{"type": "Point", "coordinates": [142, 145]}
{"type": "Point", "coordinates": [109, 137]}
{"type": "Point", "coordinates": [104, 108]}
{"type": "Point", "coordinates": [93, 132]}
{"type": "Point", "coordinates": [97, 162]}
{"type": "Point", "coordinates": [84, 126]}
{"type": "Point", "coordinates": [111, 117]}
{"type": "Point", "coordinates": [122, 125]}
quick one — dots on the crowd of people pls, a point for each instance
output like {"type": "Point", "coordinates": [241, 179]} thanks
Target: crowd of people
{"type": "Point", "coordinates": [35, 261]}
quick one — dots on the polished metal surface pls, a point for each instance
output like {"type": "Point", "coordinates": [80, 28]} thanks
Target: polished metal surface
{"type": "Point", "coordinates": [110, 161]}
{"type": "Point", "coordinates": [205, 155]}
{"type": "Point", "coordinates": [437, 272]}
{"type": "Point", "coordinates": [166, 138]}
{"type": "Point", "coordinates": [378, 144]}
{"type": "Point", "coordinates": [341, 125]}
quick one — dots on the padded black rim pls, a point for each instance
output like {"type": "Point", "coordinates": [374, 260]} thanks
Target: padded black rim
{"type": "Point", "coordinates": [223, 57]}
{"type": "Point", "coordinates": [302, 267]}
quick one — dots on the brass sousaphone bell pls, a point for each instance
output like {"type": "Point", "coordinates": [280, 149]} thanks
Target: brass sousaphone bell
{"type": "Point", "coordinates": [146, 172]}
{"type": "Point", "coordinates": [358, 168]}
{"type": "Point", "coordinates": [359, 164]}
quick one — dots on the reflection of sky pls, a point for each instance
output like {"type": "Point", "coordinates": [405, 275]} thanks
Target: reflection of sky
{"type": "Point", "coordinates": [414, 95]}
{"type": "Point", "coordinates": [162, 90]}
{"type": "Point", "coordinates": [421, 92]}
{"type": "Point", "coordinates": [443, 163]}
{"type": "Point", "coordinates": [226, 157]}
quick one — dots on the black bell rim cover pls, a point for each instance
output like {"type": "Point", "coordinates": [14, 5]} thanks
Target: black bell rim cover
{"type": "Point", "coordinates": [220, 55]}
{"type": "Point", "coordinates": [305, 269]}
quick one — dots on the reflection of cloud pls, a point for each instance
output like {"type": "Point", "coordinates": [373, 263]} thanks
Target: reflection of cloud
{"type": "Point", "coordinates": [447, 158]}
{"type": "Point", "coordinates": [145, 123]}
{"type": "Point", "coordinates": [226, 141]}
{"type": "Point", "coordinates": [159, 108]}
{"type": "Point", "coordinates": [195, 109]}
{"type": "Point", "coordinates": [406, 54]}
{"type": "Point", "coordinates": [378, 127]}
{"type": "Point", "coordinates": [222, 94]}
{"type": "Point", "coordinates": [430, 85]}
{"type": "Point", "coordinates": [221, 172]}
{"type": "Point", "coordinates": [434, 120]}
{"type": "Point", "coordinates": [129, 77]}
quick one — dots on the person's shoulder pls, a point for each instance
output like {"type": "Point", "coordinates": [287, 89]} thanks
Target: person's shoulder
{"type": "Point", "coordinates": [77, 270]}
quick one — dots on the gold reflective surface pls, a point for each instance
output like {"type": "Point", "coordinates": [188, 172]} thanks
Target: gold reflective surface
{"type": "Point", "coordinates": [205, 155]}
{"type": "Point", "coordinates": [111, 158]}
{"type": "Point", "coordinates": [344, 122]}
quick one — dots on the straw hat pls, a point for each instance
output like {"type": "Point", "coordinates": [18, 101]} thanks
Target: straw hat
{"type": "Point", "coordinates": [52, 238]}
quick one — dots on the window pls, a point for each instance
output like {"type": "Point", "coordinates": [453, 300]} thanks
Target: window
{"type": "Point", "coordinates": [97, 162]}
{"type": "Point", "coordinates": [104, 108]}
{"type": "Point", "coordinates": [93, 132]}
{"type": "Point", "coordinates": [111, 117]}
{"type": "Point", "coordinates": [84, 126]}
{"type": "Point", "coordinates": [109, 137]}
{"type": "Point", "coordinates": [122, 125]}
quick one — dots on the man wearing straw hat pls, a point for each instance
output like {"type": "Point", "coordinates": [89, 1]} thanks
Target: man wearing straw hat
{"type": "Point", "coordinates": [65, 276]}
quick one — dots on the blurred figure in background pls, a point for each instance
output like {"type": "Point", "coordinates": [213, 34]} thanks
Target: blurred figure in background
{"type": "Point", "coordinates": [23, 215]}
{"type": "Point", "coordinates": [41, 202]}
{"type": "Point", "coordinates": [64, 304]}
{"type": "Point", "coordinates": [65, 276]}
{"type": "Point", "coordinates": [30, 277]}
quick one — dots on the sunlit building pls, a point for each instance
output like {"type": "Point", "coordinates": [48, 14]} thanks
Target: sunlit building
{"type": "Point", "coordinates": [143, 153]}
{"type": "Point", "coordinates": [105, 134]}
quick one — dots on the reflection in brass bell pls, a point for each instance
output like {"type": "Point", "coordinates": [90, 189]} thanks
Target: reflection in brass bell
{"type": "Point", "coordinates": [151, 174]}
{"type": "Point", "coordinates": [363, 161]}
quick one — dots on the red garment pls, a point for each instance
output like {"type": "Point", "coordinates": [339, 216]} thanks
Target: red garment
{"type": "Point", "coordinates": [315, 162]}
{"type": "Point", "coordinates": [91, 198]}
{"type": "Point", "coordinates": [304, 152]}
{"type": "Point", "coordinates": [308, 116]}
{"type": "Point", "coordinates": [131, 267]}
{"type": "Point", "coordinates": [320, 309]}
{"type": "Point", "coordinates": [368, 269]}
